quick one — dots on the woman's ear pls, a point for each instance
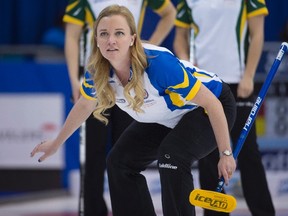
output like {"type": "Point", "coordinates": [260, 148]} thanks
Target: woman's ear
{"type": "Point", "coordinates": [133, 39]}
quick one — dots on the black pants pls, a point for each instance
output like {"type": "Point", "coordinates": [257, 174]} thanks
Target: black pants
{"type": "Point", "coordinates": [97, 138]}
{"type": "Point", "coordinates": [253, 178]}
{"type": "Point", "coordinates": [174, 149]}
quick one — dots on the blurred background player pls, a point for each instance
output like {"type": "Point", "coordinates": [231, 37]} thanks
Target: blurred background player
{"type": "Point", "coordinates": [79, 18]}
{"type": "Point", "coordinates": [228, 38]}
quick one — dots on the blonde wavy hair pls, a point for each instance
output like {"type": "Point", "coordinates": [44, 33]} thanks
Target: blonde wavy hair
{"type": "Point", "coordinates": [100, 68]}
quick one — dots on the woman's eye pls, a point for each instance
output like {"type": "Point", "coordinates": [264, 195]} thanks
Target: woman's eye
{"type": "Point", "coordinates": [103, 34]}
{"type": "Point", "coordinates": [119, 33]}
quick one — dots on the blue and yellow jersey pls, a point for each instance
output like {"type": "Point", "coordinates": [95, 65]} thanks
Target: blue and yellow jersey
{"type": "Point", "coordinates": [169, 83]}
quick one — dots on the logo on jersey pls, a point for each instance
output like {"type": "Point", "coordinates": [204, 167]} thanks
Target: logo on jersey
{"type": "Point", "coordinates": [77, 12]}
{"type": "Point", "coordinates": [120, 100]}
{"type": "Point", "coordinates": [181, 13]}
{"type": "Point", "coordinates": [253, 4]}
{"type": "Point", "coordinates": [148, 102]}
{"type": "Point", "coordinates": [146, 95]}
{"type": "Point", "coordinates": [167, 166]}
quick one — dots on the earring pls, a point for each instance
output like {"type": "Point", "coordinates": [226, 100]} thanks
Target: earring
{"type": "Point", "coordinates": [98, 45]}
{"type": "Point", "coordinates": [131, 44]}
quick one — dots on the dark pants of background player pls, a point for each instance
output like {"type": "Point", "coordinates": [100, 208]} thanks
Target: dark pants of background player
{"type": "Point", "coordinates": [97, 138]}
{"type": "Point", "coordinates": [253, 178]}
{"type": "Point", "coordinates": [175, 149]}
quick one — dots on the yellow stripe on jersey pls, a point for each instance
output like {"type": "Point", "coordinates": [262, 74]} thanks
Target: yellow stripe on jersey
{"type": "Point", "coordinates": [71, 6]}
{"type": "Point", "coordinates": [182, 24]}
{"type": "Point", "coordinates": [83, 93]}
{"type": "Point", "coordinates": [162, 7]}
{"type": "Point", "coordinates": [141, 18]}
{"type": "Point", "coordinates": [243, 21]}
{"type": "Point", "coordinates": [262, 1]}
{"type": "Point", "coordinates": [176, 98]}
{"type": "Point", "coordinates": [194, 90]}
{"type": "Point", "coordinates": [86, 84]}
{"type": "Point", "coordinates": [89, 17]}
{"type": "Point", "coordinates": [262, 11]}
{"type": "Point", "coordinates": [185, 25]}
{"type": "Point", "coordinates": [185, 82]}
{"type": "Point", "coordinates": [70, 19]}
{"type": "Point", "coordinates": [180, 5]}
{"type": "Point", "coordinates": [196, 74]}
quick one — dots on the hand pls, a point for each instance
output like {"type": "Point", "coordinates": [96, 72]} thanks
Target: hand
{"type": "Point", "coordinates": [48, 147]}
{"type": "Point", "coordinates": [226, 167]}
{"type": "Point", "coordinates": [245, 87]}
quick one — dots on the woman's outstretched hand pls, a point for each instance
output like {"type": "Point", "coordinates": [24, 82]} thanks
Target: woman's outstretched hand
{"type": "Point", "coordinates": [47, 147]}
